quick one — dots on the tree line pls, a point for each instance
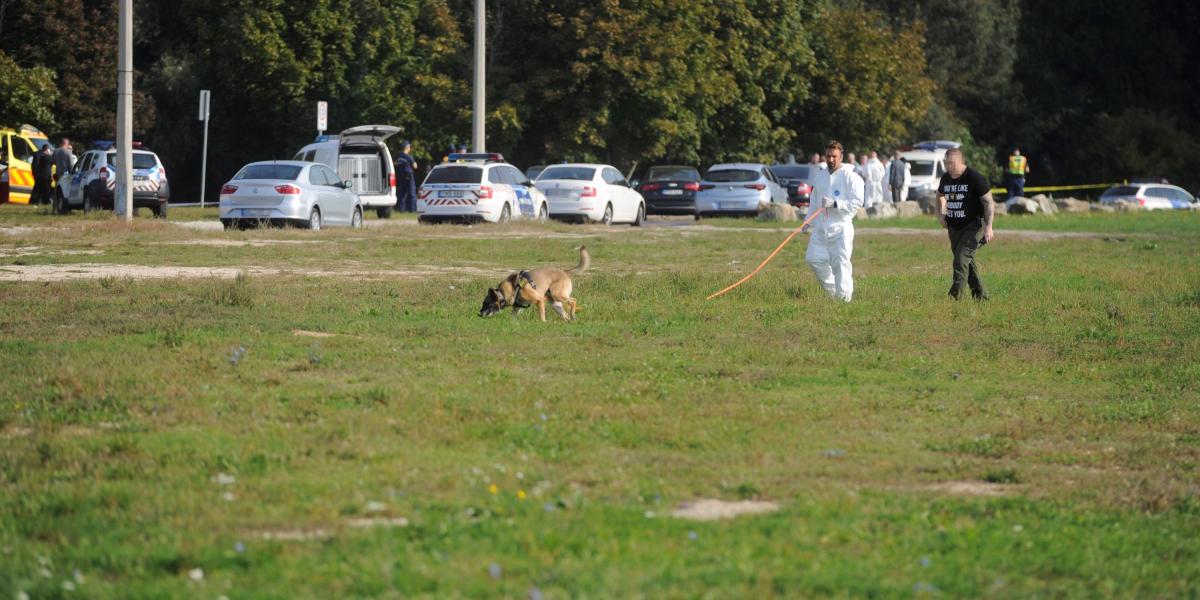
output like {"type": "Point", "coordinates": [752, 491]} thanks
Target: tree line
{"type": "Point", "coordinates": [1093, 91]}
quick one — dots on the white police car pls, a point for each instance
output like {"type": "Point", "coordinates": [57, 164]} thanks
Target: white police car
{"type": "Point", "coordinates": [473, 187]}
{"type": "Point", "coordinates": [90, 184]}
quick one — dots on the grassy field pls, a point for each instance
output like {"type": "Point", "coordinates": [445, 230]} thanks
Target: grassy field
{"type": "Point", "coordinates": [336, 422]}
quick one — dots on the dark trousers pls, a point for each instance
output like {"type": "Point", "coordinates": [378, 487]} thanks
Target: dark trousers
{"type": "Point", "coordinates": [963, 243]}
{"type": "Point", "coordinates": [41, 191]}
{"type": "Point", "coordinates": [1016, 186]}
{"type": "Point", "coordinates": [897, 192]}
{"type": "Point", "coordinates": [406, 196]}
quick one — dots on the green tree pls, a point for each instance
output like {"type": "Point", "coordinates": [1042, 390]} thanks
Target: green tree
{"type": "Point", "coordinates": [870, 82]}
{"type": "Point", "coordinates": [28, 94]}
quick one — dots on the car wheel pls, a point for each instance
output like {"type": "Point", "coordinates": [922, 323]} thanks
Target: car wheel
{"type": "Point", "coordinates": [543, 214]}
{"type": "Point", "coordinates": [641, 216]}
{"type": "Point", "coordinates": [60, 203]}
{"type": "Point", "coordinates": [356, 221]}
{"type": "Point", "coordinates": [505, 215]}
{"type": "Point", "coordinates": [698, 217]}
{"type": "Point", "coordinates": [607, 218]}
{"type": "Point", "coordinates": [385, 212]}
{"type": "Point", "coordinates": [228, 224]}
{"type": "Point", "coordinates": [424, 221]}
{"type": "Point", "coordinates": [314, 219]}
{"type": "Point", "coordinates": [160, 211]}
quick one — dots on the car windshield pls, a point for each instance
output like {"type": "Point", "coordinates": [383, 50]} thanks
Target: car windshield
{"type": "Point", "coordinates": [575, 173]}
{"type": "Point", "coordinates": [141, 160]}
{"type": "Point", "coordinates": [455, 174]}
{"type": "Point", "coordinates": [39, 142]}
{"type": "Point", "coordinates": [532, 172]}
{"type": "Point", "coordinates": [791, 171]}
{"type": "Point", "coordinates": [285, 172]}
{"type": "Point", "coordinates": [672, 174]}
{"type": "Point", "coordinates": [732, 175]}
{"type": "Point", "coordinates": [921, 168]}
{"type": "Point", "coordinates": [1121, 190]}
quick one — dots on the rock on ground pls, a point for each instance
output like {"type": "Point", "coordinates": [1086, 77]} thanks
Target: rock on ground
{"type": "Point", "coordinates": [1072, 205]}
{"type": "Point", "coordinates": [883, 210]}
{"type": "Point", "coordinates": [1022, 206]}
{"type": "Point", "coordinates": [776, 211]}
{"type": "Point", "coordinates": [1045, 205]}
{"type": "Point", "coordinates": [908, 209]}
{"type": "Point", "coordinates": [1097, 207]}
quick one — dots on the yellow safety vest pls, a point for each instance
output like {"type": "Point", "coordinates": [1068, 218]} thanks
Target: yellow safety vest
{"type": "Point", "coordinates": [1017, 165]}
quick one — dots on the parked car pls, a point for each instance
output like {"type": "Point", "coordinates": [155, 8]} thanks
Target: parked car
{"type": "Point", "coordinates": [17, 147]}
{"type": "Point", "coordinates": [670, 190]}
{"type": "Point", "coordinates": [1150, 196]}
{"type": "Point", "coordinates": [795, 179]}
{"type": "Point", "coordinates": [737, 189]}
{"type": "Point", "coordinates": [532, 172]}
{"type": "Point", "coordinates": [360, 155]}
{"type": "Point", "coordinates": [278, 193]}
{"type": "Point", "coordinates": [473, 187]}
{"type": "Point", "coordinates": [926, 170]}
{"type": "Point", "coordinates": [591, 192]}
{"type": "Point", "coordinates": [90, 184]}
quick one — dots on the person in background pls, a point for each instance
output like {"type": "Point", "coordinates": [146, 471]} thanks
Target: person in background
{"type": "Point", "coordinates": [874, 179]}
{"type": "Point", "coordinates": [64, 158]}
{"type": "Point", "coordinates": [896, 177]}
{"type": "Point", "coordinates": [43, 173]}
{"type": "Point", "coordinates": [406, 179]}
{"type": "Point", "coordinates": [1018, 168]}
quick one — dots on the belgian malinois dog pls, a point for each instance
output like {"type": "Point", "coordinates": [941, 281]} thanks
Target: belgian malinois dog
{"type": "Point", "coordinates": [538, 286]}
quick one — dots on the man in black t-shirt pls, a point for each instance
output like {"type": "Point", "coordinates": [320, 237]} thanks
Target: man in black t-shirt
{"type": "Point", "coordinates": [966, 210]}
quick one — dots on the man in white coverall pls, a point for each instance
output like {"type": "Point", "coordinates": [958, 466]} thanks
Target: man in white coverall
{"type": "Point", "coordinates": [874, 180]}
{"type": "Point", "coordinates": [840, 190]}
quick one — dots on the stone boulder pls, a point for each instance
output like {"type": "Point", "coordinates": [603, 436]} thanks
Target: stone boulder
{"type": "Point", "coordinates": [1000, 208]}
{"type": "Point", "coordinates": [1072, 205]}
{"type": "Point", "coordinates": [1021, 206]}
{"type": "Point", "coordinates": [928, 204]}
{"type": "Point", "coordinates": [908, 209]}
{"type": "Point", "coordinates": [1045, 205]}
{"type": "Point", "coordinates": [776, 211]}
{"type": "Point", "coordinates": [1104, 208]}
{"type": "Point", "coordinates": [883, 210]}
{"type": "Point", "coordinates": [1128, 207]}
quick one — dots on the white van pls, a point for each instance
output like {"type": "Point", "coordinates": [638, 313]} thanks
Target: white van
{"type": "Point", "coordinates": [927, 166]}
{"type": "Point", "coordinates": [360, 155]}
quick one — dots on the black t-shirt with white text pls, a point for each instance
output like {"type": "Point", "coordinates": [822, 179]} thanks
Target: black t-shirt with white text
{"type": "Point", "coordinates": [964, 207]}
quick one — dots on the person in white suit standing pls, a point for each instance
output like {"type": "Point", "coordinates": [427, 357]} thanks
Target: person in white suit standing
{"type": "Point", "coordinates": [874, 180]}
{"type": "Point", "coordinates": [840, 191]}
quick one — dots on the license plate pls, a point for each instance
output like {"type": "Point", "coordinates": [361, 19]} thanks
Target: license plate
{"type": "Point", "coordinates": [450, 194]}
{"type": "Point", "coordinates": [729, 205]}
{"type": "Point", "coordinates": [559, 193]}
{"type": "Point", "coordinates": [256, 212]}
{"type": "Point", "coordinates": [140, 178]}
{"type": "Point", "coordinates": [672, 192]}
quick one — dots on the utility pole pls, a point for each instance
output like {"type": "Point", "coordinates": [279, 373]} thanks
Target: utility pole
{"type": "Point", "coordinates": [205, 113]}
{"type": "Point", "coordinates": [478, 111]}
{"type": "Point", "coordinates": [123, 198]}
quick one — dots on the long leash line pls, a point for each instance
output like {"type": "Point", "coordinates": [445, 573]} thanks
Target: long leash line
{"type": "Point", "coordinates": [764, 263]}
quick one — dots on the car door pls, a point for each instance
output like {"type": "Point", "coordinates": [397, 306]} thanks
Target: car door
{"type": "Point", "coordinates": [327, 202]}
{"type": "Point", "coordinates": [632, 199]}
{"type": "Point", "coordinates": [521, 193]}
{"type": "Point", "coordinates": [341, 197]}
{"type": "Point", "coordinates": [502, 190]}
{"type": "Point", "coordinates": [616, 194]}
{"type": "Point", "coordinates": [1158, 198]}
{"type": "Point", "coordinates": [778, 194]}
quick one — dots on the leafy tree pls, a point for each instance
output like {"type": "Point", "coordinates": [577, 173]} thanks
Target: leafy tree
{"type": "Point", "coordinates": [28, 94]}
{"type": "Point", "coordinates": [869, 81]}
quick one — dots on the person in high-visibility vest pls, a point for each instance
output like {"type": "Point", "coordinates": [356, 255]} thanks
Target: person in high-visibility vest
{"type": "Point", "coordinates": [1018, 168]}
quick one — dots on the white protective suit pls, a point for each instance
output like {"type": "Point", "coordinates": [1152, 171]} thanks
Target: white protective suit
{"type": "Point", "coordinates": [832, 239]}
{"type": "Point", "coordinates": [874, 181]}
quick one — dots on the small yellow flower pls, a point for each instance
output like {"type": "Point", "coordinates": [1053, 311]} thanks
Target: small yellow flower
{"type": "Point", "coordinates": [520, 494]}
{"type": "Point", "coordinates": [493, 489]}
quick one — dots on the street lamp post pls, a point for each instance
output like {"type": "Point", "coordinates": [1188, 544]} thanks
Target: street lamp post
{"type": "Point", "coordinates": [479, 107]}
{"type": "Point", "coordinates": [123, 198]}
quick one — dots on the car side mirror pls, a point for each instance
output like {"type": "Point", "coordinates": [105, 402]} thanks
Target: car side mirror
{"type": "Point", "coordinates": [636, 183]}
{"type": "Point", "coordinates": [347, 185]}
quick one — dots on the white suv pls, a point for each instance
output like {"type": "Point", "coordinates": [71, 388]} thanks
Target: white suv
{"type": "Point", "coordinates": [1150, 196]}
{"type": "Point", "coordinates": [90, 183]}
{"type": "Point", "coordinates": [472, 187]}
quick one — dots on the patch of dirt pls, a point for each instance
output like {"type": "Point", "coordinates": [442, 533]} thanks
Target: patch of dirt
{"type": "Point", "coordinates": [239, 243]}
{"type": "Point", "coordinates": [295, 535]}
{"type": "Point", "coordinates": [37, 250]}
{"type": "Point", "coordinates": [83, 271]}
{"type": "Point", "coordinates": [714, 510]}
{"type": "Point", "coordinates": [970, 488]}
{"type": "Point", "coordinates": [312, 334]}
{"type": "Point", "coordinates": [368, 522]}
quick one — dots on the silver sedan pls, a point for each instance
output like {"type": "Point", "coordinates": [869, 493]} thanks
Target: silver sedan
{"type": "Point", "coordinates": [285, 192]}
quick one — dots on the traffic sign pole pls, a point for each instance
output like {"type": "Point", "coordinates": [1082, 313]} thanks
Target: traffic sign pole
{"type": "Point", "coordinates": [322, 117]}
{"type": "Point", "coordinates": [205, 102]}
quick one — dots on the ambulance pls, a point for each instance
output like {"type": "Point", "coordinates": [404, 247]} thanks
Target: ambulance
{"type": "Point", "coordinates": [17, 147]}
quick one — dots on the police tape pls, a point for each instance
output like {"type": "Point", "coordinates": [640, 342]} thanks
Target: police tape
{"type": "Point", "coordinates": [1060, 188]}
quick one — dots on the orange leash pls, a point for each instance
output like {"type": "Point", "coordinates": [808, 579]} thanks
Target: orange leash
{"type": "Point", "coordinates": [764, 263]}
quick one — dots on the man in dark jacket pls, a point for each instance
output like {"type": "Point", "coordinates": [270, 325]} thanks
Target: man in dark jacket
{"type": "Point", "coordinates": [43, 172]}
{"type": "Point", "coordinates": [406, 179]}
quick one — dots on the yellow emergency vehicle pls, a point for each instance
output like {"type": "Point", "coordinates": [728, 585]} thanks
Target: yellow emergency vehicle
{"type": "Point", "coordinates": [17, 147]}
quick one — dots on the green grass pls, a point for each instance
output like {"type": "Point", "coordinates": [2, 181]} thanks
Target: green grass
{"type": "Point", "coordinates": [151, 427]}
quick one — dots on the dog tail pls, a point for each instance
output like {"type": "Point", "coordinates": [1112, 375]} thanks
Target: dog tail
{"type": "Point", "coordinates": [585, 261]}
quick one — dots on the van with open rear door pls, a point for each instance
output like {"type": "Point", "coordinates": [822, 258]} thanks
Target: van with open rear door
{"type": "Point", "coordinates": [360, 155]}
